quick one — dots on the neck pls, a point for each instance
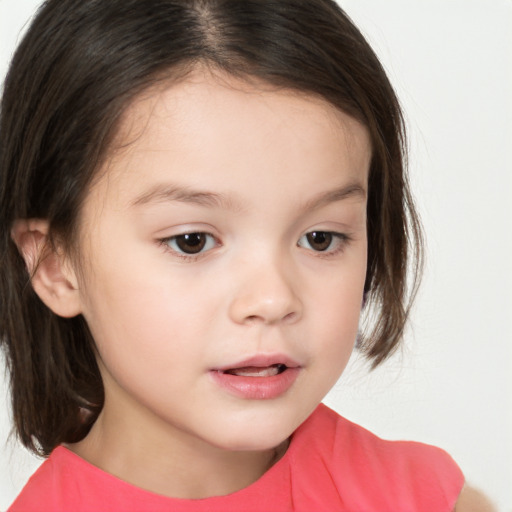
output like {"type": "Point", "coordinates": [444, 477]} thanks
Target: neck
{"type": "Point", "coordinates": [170, 462]}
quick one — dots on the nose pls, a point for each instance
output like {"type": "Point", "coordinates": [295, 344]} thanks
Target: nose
{"type": "Point", "coordinates": [266, 293]}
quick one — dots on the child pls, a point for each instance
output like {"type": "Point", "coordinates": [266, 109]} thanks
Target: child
{"type": "Point", "coordinates": [198, 200]}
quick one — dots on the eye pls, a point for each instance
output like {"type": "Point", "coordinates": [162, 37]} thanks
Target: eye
{"type": "Point", "coordinates": [191, 243]}
{"type": "Point", "coordinates": [323, 241]}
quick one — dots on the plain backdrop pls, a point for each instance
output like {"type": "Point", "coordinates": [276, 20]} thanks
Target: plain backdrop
{"type": "Point", "coordinates": [451, 64]}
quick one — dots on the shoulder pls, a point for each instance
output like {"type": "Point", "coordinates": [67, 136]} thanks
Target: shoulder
{"type": "Point", "coordinates": [472, 500]}
{"type": "Point", "coordinates": [38, 490]}
{"type": "Point", "coordinates": [337, 435]}
{"type": "Point", "coordinates": [57, 485]}
{"type": "Point", "coordinates": [416, 475]}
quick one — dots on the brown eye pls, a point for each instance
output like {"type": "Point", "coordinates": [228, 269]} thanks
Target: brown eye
{"type": "Point", "coordinates": [191, 243]}
{"type": "Point", "coordinates": [319, 240]}
{"type": "Point", "coordinates": [328, 242]}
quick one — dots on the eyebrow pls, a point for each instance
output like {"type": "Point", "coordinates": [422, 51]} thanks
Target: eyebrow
{"type": "Point", "coordinates": [356, 190]}
{"type": "Point", "coordinates": [165, 192]}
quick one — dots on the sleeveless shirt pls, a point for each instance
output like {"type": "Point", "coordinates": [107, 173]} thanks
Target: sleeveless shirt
{"type": "Point", "coordinates": [331, 464]}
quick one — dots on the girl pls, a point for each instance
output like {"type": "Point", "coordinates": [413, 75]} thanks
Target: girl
{"type": "Point", "coordinates": [198, 199]}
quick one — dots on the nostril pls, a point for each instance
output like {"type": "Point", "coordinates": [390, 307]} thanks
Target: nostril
{"type": "Point", "coordinates": [256, 305]}
{"type": "Point", "coordinates": [290, 316]}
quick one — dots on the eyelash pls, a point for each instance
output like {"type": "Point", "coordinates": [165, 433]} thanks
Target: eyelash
{"type": "Point", "coordinates": [340, 239]}
{"type": "Point", "coordinates": [165, 243]}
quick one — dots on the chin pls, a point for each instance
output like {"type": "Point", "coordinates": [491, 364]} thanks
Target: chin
{"type": "Point", "coordinates": [261, 444]}
{"type": "Point", "coordinates": [258, 434]}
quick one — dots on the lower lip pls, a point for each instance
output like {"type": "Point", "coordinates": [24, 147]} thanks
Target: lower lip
{"type": "Point", "coordinates": [257, 388]}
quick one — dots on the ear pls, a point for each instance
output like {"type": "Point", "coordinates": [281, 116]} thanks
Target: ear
{"type": "Point", "coordinates": [51, 273]}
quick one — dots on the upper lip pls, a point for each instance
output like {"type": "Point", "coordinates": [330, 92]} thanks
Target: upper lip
{"type": "Point", "coordinates": [261, 361]}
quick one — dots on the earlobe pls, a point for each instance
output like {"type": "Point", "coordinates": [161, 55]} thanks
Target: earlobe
{"type": "Point", "coordinates": [51, 274]}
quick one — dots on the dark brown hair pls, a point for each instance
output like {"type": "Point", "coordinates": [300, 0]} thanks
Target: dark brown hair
{"type": "Point", "coordinates": [75, 72]}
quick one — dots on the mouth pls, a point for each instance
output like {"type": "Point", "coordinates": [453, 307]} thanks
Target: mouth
{"type": "Point", "coordinates": [257, 371]}
{"type": "Point", "coordinates": [258, 378]}
{"type": "Point", "coordinates": [260, 365]}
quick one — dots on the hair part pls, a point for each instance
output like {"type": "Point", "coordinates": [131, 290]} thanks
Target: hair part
{"type": "Point", "coordinates": [78, 68]}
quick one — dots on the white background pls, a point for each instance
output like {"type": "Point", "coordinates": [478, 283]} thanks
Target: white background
{"type": "Point", "coordinates": [451, 63]}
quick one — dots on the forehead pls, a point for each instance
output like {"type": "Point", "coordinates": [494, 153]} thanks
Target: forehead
{"type": "Point", "coordinates": [219, 123]}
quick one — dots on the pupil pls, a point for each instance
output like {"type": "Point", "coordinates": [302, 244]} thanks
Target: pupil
{"type": "Point", "coordinates": [319, 240]}
{"type": "Point", "coordinates": [191, 243]}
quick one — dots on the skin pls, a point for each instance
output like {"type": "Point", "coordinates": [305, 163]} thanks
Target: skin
{"type": "Point", "coordinates": [257, 169]}
{"type": "Point", "coordinates": [270, 166]}
{"type": "Point", "coordinates": [473, 500]}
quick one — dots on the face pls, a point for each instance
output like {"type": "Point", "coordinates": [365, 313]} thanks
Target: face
{"type": "Point", "coordinates": [225, 257]}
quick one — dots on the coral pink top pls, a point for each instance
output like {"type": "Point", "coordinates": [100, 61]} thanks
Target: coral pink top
{"type": "Point", "coordinates": [331, 464]}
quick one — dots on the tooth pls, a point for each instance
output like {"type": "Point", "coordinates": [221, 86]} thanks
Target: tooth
{"type": "Point", "coordinates": [254, 371]}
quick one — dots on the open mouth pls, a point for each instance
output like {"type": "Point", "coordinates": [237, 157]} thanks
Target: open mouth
{"type": "Point", "coordinates": [257, 371]}
{"type": "Point", "coordinates": [256, 380]}
{"type": "Point", "coordinates": [260, 377]}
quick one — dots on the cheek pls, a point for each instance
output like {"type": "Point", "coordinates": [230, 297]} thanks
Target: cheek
{"type": "Point", "coordinates": [145, 343]}
{"type": "Point", "coordinates": [337, 310]}
{"type": "Point", "coordinates": [338, 325]}
{"type": "Point", "coordinates": [142, 309]}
